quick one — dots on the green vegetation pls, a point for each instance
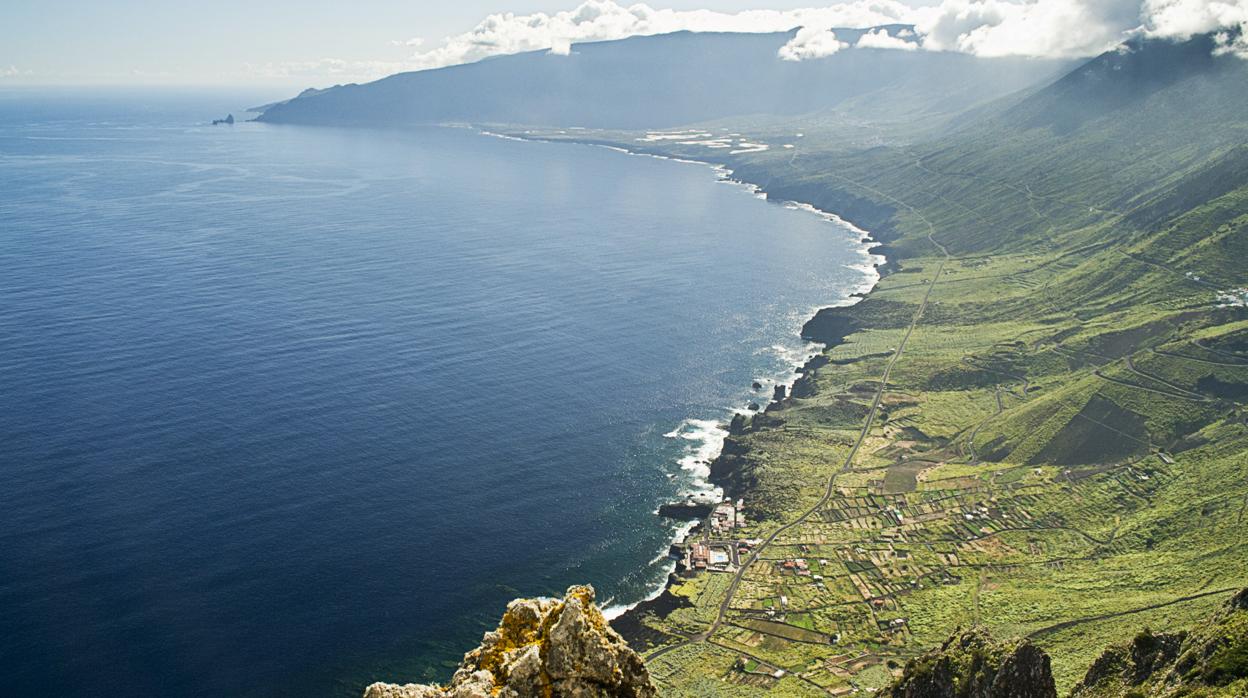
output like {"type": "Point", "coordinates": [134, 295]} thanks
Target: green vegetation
{"type": "Point", "coordinates": [972, 664]}
{"type": "Point", "coordinates": [1209, 660]}
{"type": "Point", "coordinates": [1036, 423]}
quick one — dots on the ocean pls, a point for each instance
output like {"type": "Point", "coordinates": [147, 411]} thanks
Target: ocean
{"type": "Point", "coordinates": [288, 410]}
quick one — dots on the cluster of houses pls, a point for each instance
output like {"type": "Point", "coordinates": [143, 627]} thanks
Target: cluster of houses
{"type": "Point", "coordinates": [709, 555]}
{"type": "Point", "coordinates": [799, 566]}
{"type": "Point", "coordinates": [716, 556]}
{"type": "Point", "coordinates": [719, 552]}
{"type": "Point", "coordinates": [726, 517]}
{"type": "Point", "coordinates": [892, 626]}
{"type": "Point", "coordinates": [977, 512]}
{"type": "Point", "coordinates": [1234, 298]}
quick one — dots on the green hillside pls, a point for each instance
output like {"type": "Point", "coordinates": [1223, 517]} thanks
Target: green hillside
{"type": "Point", "coordinates": [1036, 423]}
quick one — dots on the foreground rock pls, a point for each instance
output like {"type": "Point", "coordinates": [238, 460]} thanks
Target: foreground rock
{"type": "Point", "coordinates": [973, 665]}
{"type": "Point", "coordinates": [543, 647]}
{"type": "Point", "coordinates": [1210, 661]}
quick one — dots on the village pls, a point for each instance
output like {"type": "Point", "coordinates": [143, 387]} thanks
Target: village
{"type": "Point", "coordinates": [844, 577]}
{"type": "Point", "coordinates": [712, 546]}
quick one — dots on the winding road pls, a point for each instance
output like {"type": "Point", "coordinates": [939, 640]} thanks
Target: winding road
{"type": "Point", "coordinates": [830, 489]}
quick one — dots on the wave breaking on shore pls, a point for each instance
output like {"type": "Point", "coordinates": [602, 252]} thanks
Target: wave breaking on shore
{"type": "Point", "coordinates": [706, 437]}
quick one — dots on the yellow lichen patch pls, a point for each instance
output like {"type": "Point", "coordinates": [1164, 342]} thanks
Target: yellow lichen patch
{"type": "Point", "coordinates": [585, 595]}
{"type": "Point", "coordinates": [517, 631]}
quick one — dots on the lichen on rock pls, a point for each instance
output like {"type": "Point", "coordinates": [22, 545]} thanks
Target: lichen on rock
{"type": "Point", "coordinates": [554, 648]}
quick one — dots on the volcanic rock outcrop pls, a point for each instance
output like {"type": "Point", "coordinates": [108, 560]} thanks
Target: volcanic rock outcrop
{"type": "Point", "coordinates": [556, 648]}
{"type": "Point", "coordinates": [971, 664]}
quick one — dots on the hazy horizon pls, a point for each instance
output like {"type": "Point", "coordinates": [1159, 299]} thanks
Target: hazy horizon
{"type": "Point", "coordinates": [131, 43]}
{"type": "Point", "coordinates": [291, 45]}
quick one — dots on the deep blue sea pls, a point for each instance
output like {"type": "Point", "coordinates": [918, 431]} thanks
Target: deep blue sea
{"type": "Point", "coordinates": [287, 410]}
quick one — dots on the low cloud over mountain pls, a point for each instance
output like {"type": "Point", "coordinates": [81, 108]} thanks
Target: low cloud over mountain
{"type": "Point", "coordinates": [1051, 28]}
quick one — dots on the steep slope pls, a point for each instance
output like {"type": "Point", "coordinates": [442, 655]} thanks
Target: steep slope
{"type": "Point", "coordinates": [659, 81]}
{"type": "Point", "coordinates": [972, 664]}
{"type": "Point", "coordinates": [1207, 661]}
{"type": "Point", "coordinates": [1119, 80]}
{"type": "Point", "coordinates": [1106, 138]}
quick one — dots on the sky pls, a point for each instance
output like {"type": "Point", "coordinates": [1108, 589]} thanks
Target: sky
{"type": "Point", "coordinates": [305, 43]}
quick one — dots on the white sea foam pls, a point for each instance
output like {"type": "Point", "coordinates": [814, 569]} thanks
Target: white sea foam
{"type": "Point", "coordinates": [611, 610]}
{"type": "Point", "coordinates": [706, 440]}
{"type": "Point", "coordinates": [672, 136]}
{"type": "Point", "coordinates": [504, 136]}
{"type": "Point", "coordinates": [869, 263]}
{"type": "Point", "coordinates": [706, 437]}
{"type": "Point", "coordinates": [792, 357]}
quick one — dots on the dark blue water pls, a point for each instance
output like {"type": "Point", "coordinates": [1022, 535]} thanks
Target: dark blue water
{"type": "Point", "coordinates": [287, 410]}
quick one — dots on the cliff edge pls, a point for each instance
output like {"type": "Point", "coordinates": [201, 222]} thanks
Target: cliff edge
{"type": "Point", "coordinates": [543, 647]}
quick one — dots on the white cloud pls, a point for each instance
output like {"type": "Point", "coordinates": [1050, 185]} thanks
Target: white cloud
{"type": "Point", "coordinates": [10, 72]}
{"type": "Point", "coordinates": [880, 38]}
{"type": "Point", "coordinates": [1076, 27]}
{"type": "Point", "coordinates": [1052, 28]}
{"type": "Point", "coordinates": [811, 42]}
{"type": "Point", "coordinates": [603, 20]}
{"type": "Point", "coordinates": [1180, 19]}
{"type": "Point", "coordinates": [1028, 28]}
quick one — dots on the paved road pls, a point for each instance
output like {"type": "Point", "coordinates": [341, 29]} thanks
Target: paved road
{"type": "Point", "coordinates": [1219, 352]}
{"type": "Point", "coordinates": [1071, 623]}
{"type": "Point", "coordinates": [830, 489]}
{"type": "Point", "coordinates": [1197, 359]}
{"type": "Point", "coordinates": [1158, 391]}
{"type": "Point", "coordinates": [1177, 388]}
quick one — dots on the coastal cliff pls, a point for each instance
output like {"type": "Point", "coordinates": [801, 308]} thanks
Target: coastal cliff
{"type": "Point", "coordinates": [543, 647]}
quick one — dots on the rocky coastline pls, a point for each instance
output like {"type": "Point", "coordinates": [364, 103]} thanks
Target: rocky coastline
{"type": "Point", "coordinates": [729, 472]}
{"type": "Point", "coordinates": [828, 328]}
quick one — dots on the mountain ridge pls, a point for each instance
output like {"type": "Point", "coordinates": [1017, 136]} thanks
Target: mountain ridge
{"type": "Point", "coordinates": [668, 80]}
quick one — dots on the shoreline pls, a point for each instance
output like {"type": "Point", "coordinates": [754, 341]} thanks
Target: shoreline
{"type": "Point", "coordinates": [626, 618]}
